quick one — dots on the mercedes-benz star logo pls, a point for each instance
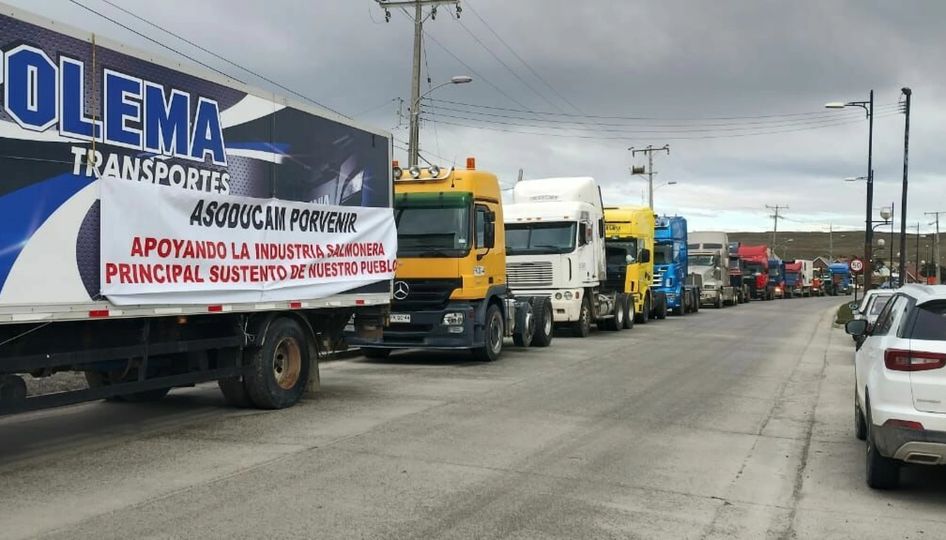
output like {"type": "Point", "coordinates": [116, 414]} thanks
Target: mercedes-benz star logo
{"type": "Point", "coordinates": [401, 290]}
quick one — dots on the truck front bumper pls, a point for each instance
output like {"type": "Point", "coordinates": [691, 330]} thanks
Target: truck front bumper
{"type": "Point", "coordinates": [426, 329]}
{"type": "Point", "coordinates": [563, 309]}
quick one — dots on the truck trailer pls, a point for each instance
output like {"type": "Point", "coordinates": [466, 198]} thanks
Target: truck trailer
{"type": "Point", "coordinates": [556, 247]}
{"type": "Point", "coordinates": [709, 257]}
{"type": "Point", "coordinates": [450, 288]}
{"type": "Point", "coordinates": [671, 269]}
{"type": "Point", "coordinates": [165, 226]}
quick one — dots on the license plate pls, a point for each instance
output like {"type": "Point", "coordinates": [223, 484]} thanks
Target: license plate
{"type": "Point", "coordinates": [400, 317]}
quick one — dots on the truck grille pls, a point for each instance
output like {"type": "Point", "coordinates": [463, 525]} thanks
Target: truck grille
{"type": "Point", "coordinates": [423, 294]}
{"type": "Point", "coordinates": [658, 277]}
{"type": "Point", "coordinates": [525, 275]}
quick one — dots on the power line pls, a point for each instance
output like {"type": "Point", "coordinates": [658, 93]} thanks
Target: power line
{"type": "Point", "coordinates": [492, 127]}
{"type": "Point", "coordinates": [526, 64]}
{"type": "Point", "coordinates": [526, 110]}
{"type": "Point", "coordinates": [553, 120]}
{"type": "Point", "coordinates": [206, 50]}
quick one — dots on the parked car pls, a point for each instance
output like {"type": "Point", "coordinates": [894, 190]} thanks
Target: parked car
{"type": "Point", "coordinates": [900, 373]}
{"type": "Point", "coordinates": [870, 306]}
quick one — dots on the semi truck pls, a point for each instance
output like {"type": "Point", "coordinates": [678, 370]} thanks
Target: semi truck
{"type": "Point", "coordinates": [756, 261]}
{"type": "Point", "coordinates": [798, 276]}
{"type": "Point", "coordinates": [165, 226]}
{"type": "Point", "coordinates": [777, 276]}
{"type": "Point", "coordinates": [450, 287]}
{"type": "Point", "coordinates": [555, 241]}
{"type": "Point", "coordinates": [629, 241]}
{"type": "Point", "coordinates": [671, 269]}
{"type": "Point", "coordinates": [738, 276]}
{"type": "Point", "coordinates": [840, 279]}
{"type": "Point", "coordinates": [708, 254]}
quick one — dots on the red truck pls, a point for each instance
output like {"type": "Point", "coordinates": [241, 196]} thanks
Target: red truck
{"type": "Point", "coordinates": [756, 261]}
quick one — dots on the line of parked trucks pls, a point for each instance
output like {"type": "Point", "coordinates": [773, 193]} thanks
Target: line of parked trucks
{"type": "Point", "coordinates": [120, 223]}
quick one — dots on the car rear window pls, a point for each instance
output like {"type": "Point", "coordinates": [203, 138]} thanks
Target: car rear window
{"type": "Point", "coordinates": [930, 322]}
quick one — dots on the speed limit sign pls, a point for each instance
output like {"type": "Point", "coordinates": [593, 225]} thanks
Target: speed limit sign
{"type": "Point", "coordinates": [857, 266]}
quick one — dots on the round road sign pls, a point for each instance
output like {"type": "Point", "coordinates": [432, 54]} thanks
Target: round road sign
{"type": "Point", "coordinates": [857, 266]}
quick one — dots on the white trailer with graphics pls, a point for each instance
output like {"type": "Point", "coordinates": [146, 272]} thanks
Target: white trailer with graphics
{"type": "Point", "coordinates": [164, 227]}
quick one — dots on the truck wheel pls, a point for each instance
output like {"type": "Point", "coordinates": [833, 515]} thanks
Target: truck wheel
{"type": "Point", "coordinates": [644, 317]}
{"type": "Point", "coordinates": [494, 333]}
{"type": "Point", "coordinates": [525, 325]}
{"type": "Point", "coordinates": [629, 314]}
{"type": "Point", "coordinates": [662, 309]}
{"type": "Point", "coordinates": [544, 323]}
{"type": "Point", "coordinates": [98, 379]}
{"type": "Point", "coordinates": [234, 393]}
{"type": "Point", "coordinates": [719, 301]}
{"type": "Point", "coordinates": [616, 322]}
{"type": "Point", "coordinates": [582, 327]}
{"type": "Point", "coordinates": [375, 353]}
{"type": "Point", "coordinates": [279, 370]}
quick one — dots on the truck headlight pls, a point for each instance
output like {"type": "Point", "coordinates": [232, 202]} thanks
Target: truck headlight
{"type": "Point", "coordinates": [568, 295]}
{"type": "Point", "coordinates": [668, 282]}
{"type": "Point", "coordinates": [558, 296]}
{"type": "Point", "coordinates": [453, 319]}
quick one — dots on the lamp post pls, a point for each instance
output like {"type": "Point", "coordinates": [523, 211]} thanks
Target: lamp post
{"type": "Point", "coordinates": [868, 107]}
{"type": "Point", "coordinates": [413, 143]}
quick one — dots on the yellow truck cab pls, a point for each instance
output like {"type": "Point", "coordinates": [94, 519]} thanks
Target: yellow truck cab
{"type": "Point", "coordinates": [629, 245]}
{"type": "Point", "coordinates": [450, 287]}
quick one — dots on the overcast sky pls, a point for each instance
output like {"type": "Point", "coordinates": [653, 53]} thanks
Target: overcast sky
{"type": "Point", "coordinates": [736, 88]}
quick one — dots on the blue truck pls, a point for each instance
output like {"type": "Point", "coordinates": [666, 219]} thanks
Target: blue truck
{"type": "Point", "coordinates": [840, 282]}
{"type": "Point", "coordinates": [777, 276]}
{"type": "Point", "coordinates": [671, 272]}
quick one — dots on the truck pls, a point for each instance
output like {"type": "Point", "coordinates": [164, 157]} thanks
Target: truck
{"type": "Point", "coordinates": [671, 270]}
{"type": "Point", "coordinates": [840, 279]}
{"type": "Point", "coordinates": [165, 226]}
{"type": "Point", "coordinates": [450, 287]}
{"type": "Point", "coordinates": [798, 278]}
{"type": "Point", "coordinates": [629, 241]}
{"type": "Point", "coordinates": [555, 242]}
{"type": "Point", "coordinates": [777, 276]}
{"type": "Point", "coordinates": [739, 278]}
{"type": "Point", "coordinates": [708, 254]}
{"type": "Point", "coordinates": [756, 261]}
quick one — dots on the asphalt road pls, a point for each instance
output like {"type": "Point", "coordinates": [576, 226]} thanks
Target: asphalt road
{"type": "Point", "coordinates": [715, 425]}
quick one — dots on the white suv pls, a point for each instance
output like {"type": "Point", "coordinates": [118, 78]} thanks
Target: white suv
{"type": "Point", "coordinates": [900, 372]}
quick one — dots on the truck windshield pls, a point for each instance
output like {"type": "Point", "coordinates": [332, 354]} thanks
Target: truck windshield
{"type": "Point", "coordinates": [702, 260]}
{"type": "Point", "coordinates": [540, 238]}
{"type": "Point", "coordinates": [756, 268]}
{"type": "Point", "coordinates": [429, 225]}
{"type": "Point", "coordinates": [663, 253]}
{"type": "Point", "coordinates": [618, 251]}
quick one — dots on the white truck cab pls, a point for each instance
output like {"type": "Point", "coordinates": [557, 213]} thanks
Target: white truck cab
{"type": "Point", "coordinates": [709, 257]}
{"type": "Point", "coordinates": [555, 248]}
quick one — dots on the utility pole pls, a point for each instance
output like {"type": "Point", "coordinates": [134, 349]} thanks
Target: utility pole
{"type": "Point", "coordinates": [776, 216]}
{"type": "Point", "coordinates": [936, 253]}
{"type": "Point", "coordinates": [650, 167]}
{"type": "Point", "coordinates": [830, 242]}
{"type": "Point", "coordinates": [903, 203]}
{"type": "Point", "coordinates": [413, 142]}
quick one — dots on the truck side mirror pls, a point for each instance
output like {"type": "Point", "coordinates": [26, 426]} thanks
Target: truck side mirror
{"type": "Point", "coordinates": [645, 255]}
{"type": "Point", "coordinates": [489, 234]}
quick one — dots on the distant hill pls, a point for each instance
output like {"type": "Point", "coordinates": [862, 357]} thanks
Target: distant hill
{"type": "Point", "coordinates": [808, 245]}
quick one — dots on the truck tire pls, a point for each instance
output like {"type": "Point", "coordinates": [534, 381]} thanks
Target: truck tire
{"type": "Point", "coordinates": [234, 393]}
{"type": "Point", "coordinates": [644, 317]}
{"type": "Point", "coordinates": [629, 314]}
{"type": "Point", "coordinates": [375, 352]}
{"type": "Point", "coordinates": [544, 322]}
{"type": "Point", "coordinates": [582, 327]}
{"type": "Point", "coordinates": [98, 379]}
{"type": "Point", "coordinates": [719, 301]}
{"type": "Point", "coordinates": [493, 336]}
{"type": "Point", "coordinates": [615, 323]}
{"type": "Point", "coordinates": [279, 370]}
{"type": "Point", "coordinates": [662, 309]}
{"type": "Point", "coordinates": [525, 325]}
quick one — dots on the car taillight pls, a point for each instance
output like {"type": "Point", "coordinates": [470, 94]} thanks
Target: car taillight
{"type": "Point", "coordinates": [902, 360]}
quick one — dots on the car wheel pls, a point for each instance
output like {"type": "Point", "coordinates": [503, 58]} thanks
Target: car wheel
{"type": "Point", "coordinates": [882, 472]}
{"type": "Point", "coordinates": [860, 426]}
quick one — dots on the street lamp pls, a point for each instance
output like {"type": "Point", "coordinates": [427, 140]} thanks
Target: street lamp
{"type": "Point", "coordinates": [855, 178]}
{"type": "Point", "coordinates": [868, 107]}
{"type": "Point", "coordinates": [413, 143]}
{"type": "Point", "coordinates": [670, 183]}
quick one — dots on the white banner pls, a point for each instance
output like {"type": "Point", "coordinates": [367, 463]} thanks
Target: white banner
{"type": "Point", "coordinates": [173, 246]}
